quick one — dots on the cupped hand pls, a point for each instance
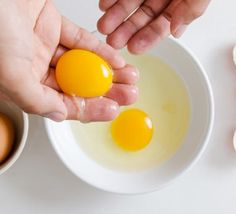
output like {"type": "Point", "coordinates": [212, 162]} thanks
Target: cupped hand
{"type": "Point", "coordinates": [33, 37]}
{"type": "Point", "coordinates": [142, 23]}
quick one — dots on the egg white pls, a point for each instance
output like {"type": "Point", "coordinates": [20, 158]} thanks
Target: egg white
{"type": "Point", "coordinates": [164, 98]}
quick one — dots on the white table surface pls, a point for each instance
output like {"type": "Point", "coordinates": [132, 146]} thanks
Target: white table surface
{"type": "Point", "coordinates": [40, 183]}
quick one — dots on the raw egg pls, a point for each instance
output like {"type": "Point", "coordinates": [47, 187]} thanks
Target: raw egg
{"type": "Point", "coordinates": [132, 130]}
{"type": "Point", "coordinates": [83, 73]}
{"type": "Point", "coordinates": [6, 136]}
{"type": "Point", "coordinates": [164, 97]}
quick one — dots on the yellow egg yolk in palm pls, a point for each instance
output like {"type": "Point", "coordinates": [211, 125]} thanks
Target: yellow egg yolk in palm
{"type": "Point", "coordinates": [132, 130]}
{"type": "Point", "coordinates": [83, 73]}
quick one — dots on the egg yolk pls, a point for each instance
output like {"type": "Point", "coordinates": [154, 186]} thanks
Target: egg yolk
{"type": "Point", "coordinates": [83, 73]}
{"type": "Point", "coordinates": [132, 130]}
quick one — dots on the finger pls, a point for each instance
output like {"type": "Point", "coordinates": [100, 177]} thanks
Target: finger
{"type": "Point", "coordinates": [149, 35]}
{"type": "Point", "coordinates": [92, 109]}
{"type": "Point", "coordinates": [4, 97]}
{"type": "Point", "coordinates": [74, 37]}
{"type": "Point", "coordinates": [106, 4]}
{"type": "Point", "coordinates": [50, 80]}
{"type": "Point", "coordinates": [126, 75]}
{"type": "Point", "coordinates": [41, 100]}
{"type": "Point", "coordinates": [145, 14]}
{"type": "Point", "coordinates": [183, 13]}
{"type": "Point", "coordinates": [58, 53]}
{"type": "Point", "coordinates": [29, 94]}
{"type": "Point", "coordinates": [123, 94]}
{"type": "Point", "coordinates": [116, 15]}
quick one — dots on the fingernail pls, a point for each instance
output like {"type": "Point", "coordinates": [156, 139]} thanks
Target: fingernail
{"type": "Point", "coordinates": [56, 116]}
{"type": "Point", "coordinates": [136, 74]}
{"type": "Point", "coordinates": [179, 31]}
{"type": "Point", "coordinates": [141, 45]}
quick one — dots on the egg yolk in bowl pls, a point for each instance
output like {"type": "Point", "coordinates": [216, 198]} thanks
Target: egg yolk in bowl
{"type": "Point", "coordinates": [132, 130]}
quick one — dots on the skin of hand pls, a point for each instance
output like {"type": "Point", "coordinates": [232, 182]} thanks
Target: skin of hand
{"type": "Point", "coordinates": [140, 24]}
{"type": "Point", "coordinates": [33, 37]}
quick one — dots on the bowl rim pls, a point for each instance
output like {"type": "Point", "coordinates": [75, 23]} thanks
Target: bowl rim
{"type": "Point", "coordinates": [22, 144]}
{"type": "Point", "coordinates": [189, 165]}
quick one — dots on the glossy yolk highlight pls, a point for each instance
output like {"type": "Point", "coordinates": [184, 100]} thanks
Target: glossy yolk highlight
{"type": "Point", "coordinates": [83, 73]}
{"type": "Point", "coordinates": [132, 130]}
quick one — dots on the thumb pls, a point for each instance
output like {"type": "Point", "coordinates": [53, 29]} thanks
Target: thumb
{"type": "Point", "coordinates": [54, 108]}
{"type": "Point", "coordinates": [35, 98]}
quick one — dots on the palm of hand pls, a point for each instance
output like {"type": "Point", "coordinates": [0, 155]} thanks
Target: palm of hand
{"type": "Point", "coordinates": [34, 43]}
{"type": "Point", "coordinates": [30, 45]}
{"type": "Point", "coordinates": [46, 38]}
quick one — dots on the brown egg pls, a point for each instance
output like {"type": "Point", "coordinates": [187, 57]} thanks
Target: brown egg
{"type": "Point", "coordinates": [6, 136]}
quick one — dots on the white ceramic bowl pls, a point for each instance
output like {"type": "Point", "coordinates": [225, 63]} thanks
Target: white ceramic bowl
{"type": "Point", "coordinates": [21, 124]}
{"type": "Point", "coordinates": [202, 113]}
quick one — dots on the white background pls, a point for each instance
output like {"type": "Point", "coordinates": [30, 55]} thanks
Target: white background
{"type": "Point", "coordinates": [40, 183]}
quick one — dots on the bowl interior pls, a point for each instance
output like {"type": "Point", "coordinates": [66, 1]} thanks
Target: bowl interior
{"type": "Point", "coordinates": [20, 121]}
{"type": "Point", "coordinates": [200, 96]}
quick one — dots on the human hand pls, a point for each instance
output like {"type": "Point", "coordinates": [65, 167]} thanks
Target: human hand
{"type": "Point", "coordinates": [149, 24]}
{"type": "Point", "coordinates": [33, 37]}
